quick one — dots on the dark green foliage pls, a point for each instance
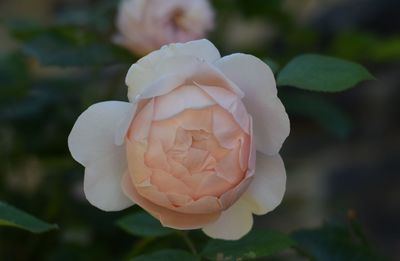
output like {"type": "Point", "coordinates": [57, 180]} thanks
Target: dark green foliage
{"type": "Point", "coordinates": [258, 243]}
{"type": "Point", "coordinates": [168, 255]}
{"type": "Point", "coordinates": [319, 109]}
{"type": "Point", "coordinates": [333, 242]}
{"type": "Point", "coordinates": [69, 45]}
{"type": "Point", "coordinates": [142, 224]}
{"type": "Point", "coordinates": [13, 217]}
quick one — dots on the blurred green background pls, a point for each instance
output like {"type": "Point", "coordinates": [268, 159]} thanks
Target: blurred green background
{"type": "Point", "coordinates": [342, 156]}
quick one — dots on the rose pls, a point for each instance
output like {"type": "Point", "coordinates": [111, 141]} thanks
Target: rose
{"type": "Point", "coordinates": [146, 25]}
{"type": "Point", "coordinates": [184, 147]}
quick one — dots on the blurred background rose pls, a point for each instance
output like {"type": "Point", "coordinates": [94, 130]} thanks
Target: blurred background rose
{"type": "Point", "coordinates": [146, 25]}
{"type": "Point", "coordinates": [333, 165]}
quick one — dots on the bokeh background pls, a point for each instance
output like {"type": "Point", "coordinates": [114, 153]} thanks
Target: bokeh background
{"type": "Point", "coordinates": [342, 156]}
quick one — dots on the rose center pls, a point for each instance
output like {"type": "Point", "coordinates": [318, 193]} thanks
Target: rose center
{"type": "Point", "coordinates": [194, 150]}
{"type": "Point", "coordinates": [191, 154]}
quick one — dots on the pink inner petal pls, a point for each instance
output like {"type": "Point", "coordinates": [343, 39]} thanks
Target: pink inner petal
{"type": "Point", "coordinates": [166, 182]}
{"type": "Point", "coordinates": [229, 102]}
{"type": "Point", "coordinates": [228, 168]}
{"type": "Point", "coordinates": [140, 127]}
{"type": "Point", "coordinates": [166, 216]}
{"type": "Point", "coordinates": [190, 158]}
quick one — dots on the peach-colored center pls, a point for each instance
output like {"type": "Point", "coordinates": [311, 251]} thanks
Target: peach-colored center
{"type": "Point", "coordinates": [188, 161]}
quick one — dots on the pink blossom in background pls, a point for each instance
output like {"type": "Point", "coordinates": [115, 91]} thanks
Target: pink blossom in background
{"type": "Point", "coordinates": [146, 25]}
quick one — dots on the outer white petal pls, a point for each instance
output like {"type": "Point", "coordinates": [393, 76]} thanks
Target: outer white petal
{"type": "Point", "coordinates": [234, 223]}
{"type": "Point", "coordinates": [256, 80]}
{"type": "Point", "coordinates": [202, 49]}
{"type": "Point", "coordinates": [144, 72]}
{"type": "Point", "coordinates": [92, 143]}
{"type": "Point", "coordinates": [102, 182]}
{"type": "Point", "coordinates": [268, 186]}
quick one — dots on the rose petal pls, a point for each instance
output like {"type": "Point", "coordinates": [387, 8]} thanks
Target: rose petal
{"type": "Point", "coordinates": [268, 187]}
{"type": "Point", "coordinates": [92, 143]}
{"type": "Point", "coordinates": [172, 72]}
{"type": "Point", "coordinates": [167, 183]}
{"type": "Point", "coordinates": [202, 49]}
{"type": "Point", "coordinates": [123, 126]}
{"type": "Point", "coordinates": [151, 193]}
{"type": "Point", "coordinates": [102, 183]}
{"type": "Point", "coordinates": [165, 131]}
{"type": "Point", "coordinates": [167, 80]}
{"type": "Point", "coordinates": [225, 128]}
{"type": "Point", "coordinates": [230, 102]}
{"type": "Point", "coordinates": [93, 134]}
{"type": "Point", "coordinates": [229, 197]}
{"type": "Point", "coordinates": [228, 168]}
{"type": "Point", "coordinates": [140, 127]}
{"type": "Point", "coordinates": [209, 184]}
{"type": "Point", "coordinates": [195, 119]}
{"type": "Point", "coordinates": [182, 98]}
{"type": "Point", "coordinates": [203, 205]}
{"type": "Point", "coordinates": [143, 73]}
{"type": "Point", "coordinates": [167, 217]}
{"type": "Point", "coordinates": [233, 223]}
{"type": "Point", "coordinates": [256, 80]}
{"type": "Point", "coordinates": [135, 152]}
{"type": "Point", "coordinates": [155, 156]}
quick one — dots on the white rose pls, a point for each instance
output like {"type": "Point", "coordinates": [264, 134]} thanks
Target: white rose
{"type": "Point", "coordinates": [184, 147]}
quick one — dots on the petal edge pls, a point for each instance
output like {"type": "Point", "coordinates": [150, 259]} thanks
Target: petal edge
{"type": "Point", "coordinates": [256, 80]}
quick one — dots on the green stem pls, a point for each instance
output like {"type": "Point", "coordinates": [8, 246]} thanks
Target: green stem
{"type": "Point", "coordinates": [188, 241]}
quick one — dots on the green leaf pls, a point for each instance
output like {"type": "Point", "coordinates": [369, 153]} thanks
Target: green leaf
{"type": "Point", "coordinates": [10, 216]}
{"type": "Point", "coordinates": [333, 243]}
{"type": "Point", "coordinates": [143, 224]}
{"type": "Point", "coordinates": [327, 114]}
{"type": "Point", "coordinates": [321, 73]}
{"type": "Point", "coordinates": [258, 243]}
{"type": "Point", "coordinates": [168, 255]}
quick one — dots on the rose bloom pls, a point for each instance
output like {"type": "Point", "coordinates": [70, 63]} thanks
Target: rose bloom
{"type": "Point", "coordinates": [146, 25]}
{"type": "Point", "coordinates": [184, 147]}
